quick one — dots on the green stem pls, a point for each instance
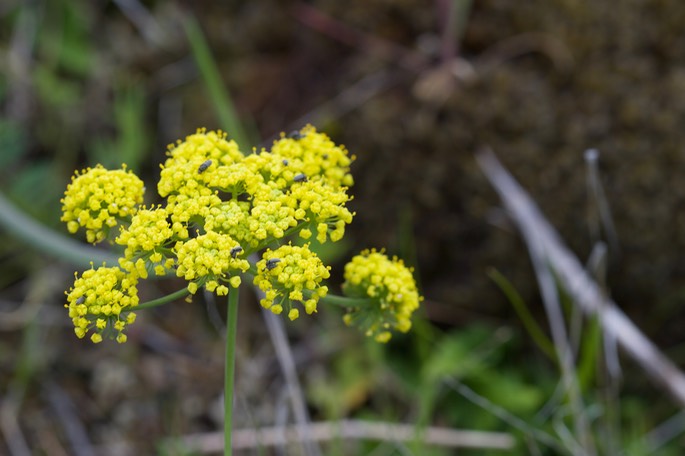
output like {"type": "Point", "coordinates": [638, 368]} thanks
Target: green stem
{"type": "Point", "coordinates": [44, 239]}
{"type": "Point", "coordinates": [163, 300]}
{"type": "Point", "coordinates": [229, 379]}
{"type": "Point", "coordinates": [344, 301]}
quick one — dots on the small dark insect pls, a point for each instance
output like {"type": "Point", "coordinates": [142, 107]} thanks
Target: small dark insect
{"type": "Point", "coordinates": [325, 156]}
{"type": "Point", "coordinates": [81, 300]}
{"type": "Point", "coordinates": [300, 177]}
{"type": "Point", "coordinates": [295, 135]}
{"type": "Point", "coordinates": [285, 162]}
{"type": "Point", "coordinates": [235, 251]}
{"type": "Point", "coordinates": [203, 167]}
{"type": "Point", "coordinates": [271, 263]}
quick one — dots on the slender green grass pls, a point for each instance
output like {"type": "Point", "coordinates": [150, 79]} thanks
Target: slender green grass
{"type": "Point", "coordinates": [218, 94]}
{"type": "Point", "coordinates": [536, 333]}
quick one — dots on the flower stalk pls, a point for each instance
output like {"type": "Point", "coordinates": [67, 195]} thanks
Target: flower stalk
{"type": "Point", "coordinates": [229, 375]}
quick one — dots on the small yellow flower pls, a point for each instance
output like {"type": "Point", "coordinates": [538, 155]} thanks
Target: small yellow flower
{"type": "Point", "coordinates": [323, 206]}
{"type": "Point", "coordinates": [186, 170]}
{"type": "Point", "coordinates": [101, 300]}
{"type": "Point", "coordinates": [287, 272]}
{"type": "Point", "coordinates": [391, 286]}
{"type": "Point", "coordinates": [293, 314]}
{"type": "Point", "coordinates": [271, 216]}
{"type": "Point", "coordinates": [233, 218]}
{"type": "Point", "coordinates": [314, 154]}
{"type": "Point", "coordinates": [207, 260]}
{"type": "Point", "coordinates": [98, 200]}
{"type": "Point", "coordinates": [222, 290]}
{"type": "Point", "coordinates": [193, 175]}
{"type": "Point", "coordinates": [148, 241]}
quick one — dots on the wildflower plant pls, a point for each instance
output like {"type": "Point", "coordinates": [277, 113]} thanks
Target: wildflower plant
{"type": "Point", "coordinates": [228, 216]}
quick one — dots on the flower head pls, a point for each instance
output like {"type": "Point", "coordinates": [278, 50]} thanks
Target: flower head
{"type": "Point", "coordinates": [323, 206]}
{"type": "Point", "coordinates": [98, 199]}
{"type": "Point", "coordinates": [314, 154]}
{"type": "Point", "coordinates": [190, 174]}
{"type": "Point", "coordinates": [391, 290]}
{"type": "Point", "coordinates": [101, 301]}
{"type": "Point", "coordinates": [212, 260]}
{"type": "Point", "coordinates": [147, 240]}
{"type": "Point", "coordinates": [291, 274]}
{"type": "Point", "coordinates": [192, 162]}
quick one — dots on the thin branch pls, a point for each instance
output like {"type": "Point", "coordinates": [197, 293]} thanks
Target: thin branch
{"type": "Point", "coordinates": [286, 360]}
{"type": "Point", "coordinates": [350, 429]}
{"type": "Point", "coordinates": [68, 419]}
{"type": "Point", "coordinates": [555, 317]}
{"type": "Point", "coordinates": [578, 284]}
{"type": "Point", "coordinates": [665, 432]}
{"type": "Point", "coordinates": [9, 426]}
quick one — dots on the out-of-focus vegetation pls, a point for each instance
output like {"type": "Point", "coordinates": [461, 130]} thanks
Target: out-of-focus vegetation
{"type": "Point", "coordinates": [412, 94]}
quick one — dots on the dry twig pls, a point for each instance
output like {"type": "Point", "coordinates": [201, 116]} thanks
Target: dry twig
{"type": "Point", "coordinates": [578, 284]}
{"type": "Point", "coordinates": [350, 429]}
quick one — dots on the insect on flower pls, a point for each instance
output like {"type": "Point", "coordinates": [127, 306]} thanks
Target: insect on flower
{"type": "Point", "coordinates": [235, 251]}
{"type": "Point", "coordinates": [81, 300]}
{"type": "Point", "coordinates": [203, 167]}
{"type": "Point", "coordinates": [272, 262]}
{"type": "Point", "coordinates": [295, 135]}
{"type": "Point", "coordinates": [300, 177]}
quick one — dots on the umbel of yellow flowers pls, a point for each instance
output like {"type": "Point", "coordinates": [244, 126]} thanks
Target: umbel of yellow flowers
{"type": "Point", "coordinates": [222, 206]}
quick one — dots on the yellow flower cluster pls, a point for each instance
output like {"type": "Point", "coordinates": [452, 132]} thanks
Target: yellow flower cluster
{"type": "Point", "coordinates": [314, 154]}
{"type": "Point", "coordinates": [323, 207]}
{"type": "Point", "coordinates": [148, 243]}
{"type": "Point", "coordinates": [291, 274]}
{"type": "Point", "coordinates": [299, 185]}
{"type": "Point", "coordinates": [186, 174]}
{"type": "Point", "coordinates": [210, 260]}
{"type": "Point", "coordinates": [98, 199]}
{"type": "Point", "coordinates": [221, 206]}
{"type": "Point", "coordinates": [101, 300]}
{"type": "Point", "coordinates": [392, 289]}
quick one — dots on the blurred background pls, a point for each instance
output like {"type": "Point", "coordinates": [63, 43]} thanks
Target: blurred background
{"type": "Point", "coordinates": [413, 89]}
